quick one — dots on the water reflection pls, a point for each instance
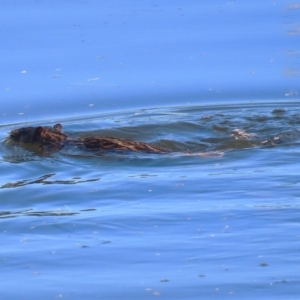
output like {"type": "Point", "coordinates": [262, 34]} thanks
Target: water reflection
{"type": "Point", "coordinates": [31, 212]}
{"type": "Point", "coordinates": [44, 180]}
{"type": "Point", "coordinates": [41, 213]}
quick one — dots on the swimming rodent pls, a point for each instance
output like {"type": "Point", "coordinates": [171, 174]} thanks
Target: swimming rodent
{"type": "Point", "coordinates": [50, 139]}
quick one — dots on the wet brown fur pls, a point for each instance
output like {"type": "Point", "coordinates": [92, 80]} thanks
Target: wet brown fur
{"type": "Point", "coordinates": [52, 139]}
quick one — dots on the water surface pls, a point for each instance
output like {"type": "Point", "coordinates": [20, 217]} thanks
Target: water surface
{"type": "Point", "coordinates": [217, 84]}
{"type": "Point", "coordinates": [79, 57]}
{"type": "Point", "coordinates": [217, 217]}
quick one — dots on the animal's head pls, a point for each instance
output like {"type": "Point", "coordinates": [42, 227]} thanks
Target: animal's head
{"type": "Point", "coordinates": [41, 136]}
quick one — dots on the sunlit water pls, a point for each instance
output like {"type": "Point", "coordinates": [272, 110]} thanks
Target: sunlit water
{"type": "Point", "coordinates": [217, 217]}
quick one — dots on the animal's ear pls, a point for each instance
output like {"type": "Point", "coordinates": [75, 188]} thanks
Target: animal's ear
{"type": "Point", "coordinates": [58, 127]}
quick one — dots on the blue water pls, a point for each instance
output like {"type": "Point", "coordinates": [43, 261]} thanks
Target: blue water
{"type": "Point", "coordinates": [217, 84]}
{"type": "Point", "coordinates": [75, 57]}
